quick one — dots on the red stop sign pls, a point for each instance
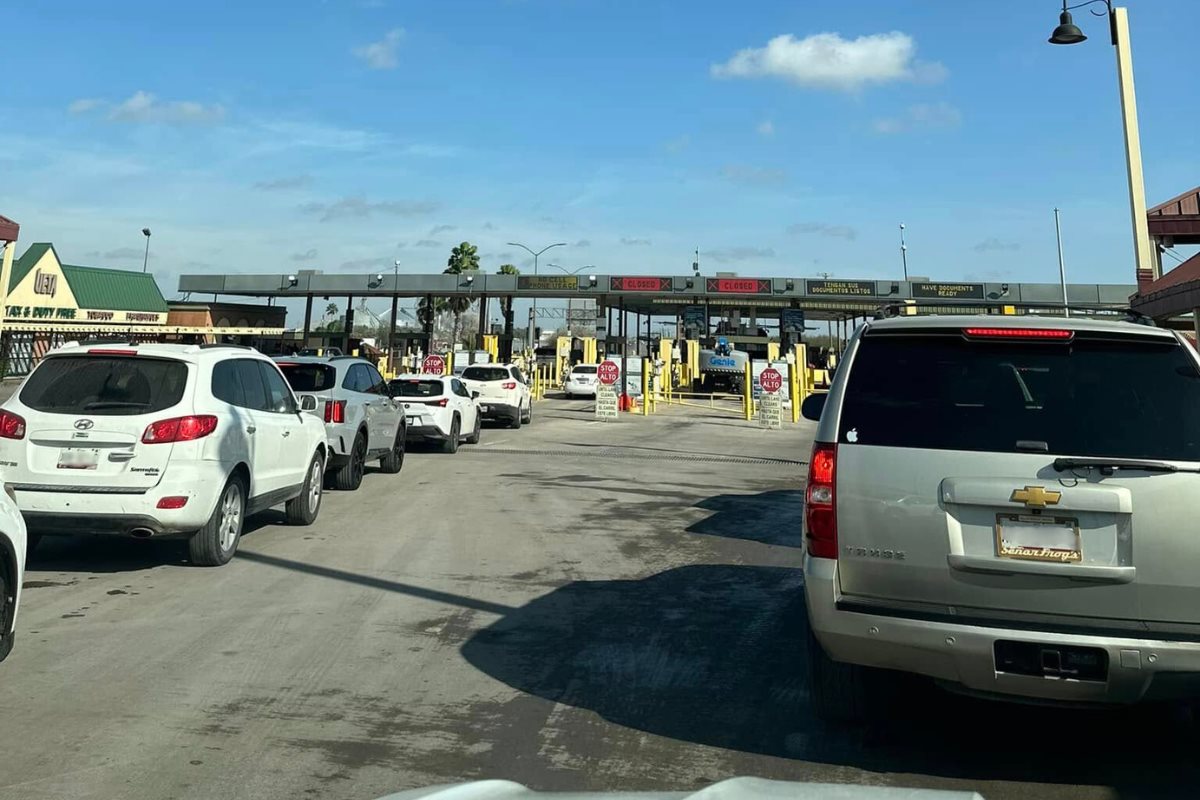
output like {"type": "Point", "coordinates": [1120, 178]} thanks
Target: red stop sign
{"type": "Point", "coordinates": [433, 365]}
{"type": "Point", "coordinates": [770, 380]}
{"type": "Point", "coordinates": [608, 372]}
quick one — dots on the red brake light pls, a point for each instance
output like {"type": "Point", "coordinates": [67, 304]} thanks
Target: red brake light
{"type": "Point", "coordinates": [820, 502]}
{"type": "Point", "coordinates": [12, 426]}
{"type": "Point", "coordinates": [174, 501]}
{"type": "Point", "coordinates": [179, 429]}
{"type": "Point", "coordinates": [1054, 334]}
{"type": "Point", "coordinates": [107, 352]}
{"type": "Point", "coordinates": [439, 403]}
{"type": "Point", "coordinates": [335, 411]}
{"type": "Point", "coordinates": [508, 385]}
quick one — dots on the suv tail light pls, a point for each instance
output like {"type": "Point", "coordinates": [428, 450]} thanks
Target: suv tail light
{"type": "Point", "coordinates": [1050, 334]}
{"type": "Point", "coordinates": [508, 385]}
{"type": "Point", "coordinates": [179, 429]}
{"type": "Point", "coordinates": [335, 411]}
{"type": "Point", "coordinates": [12, 426]}
{"type": "Point", "coordinates": [820, 502]}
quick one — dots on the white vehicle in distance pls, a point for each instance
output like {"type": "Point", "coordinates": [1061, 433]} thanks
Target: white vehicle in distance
{"type": "Point", "coordinates": [581, 381]}
{"type": "Point", "coordinates": [438, 408]}
{"type": "Point", "coordinates": [12, 570]}
{"type": "Point", "coordinates": [503, 393]}
{"type": "Point", "coordinates": [159, 440]}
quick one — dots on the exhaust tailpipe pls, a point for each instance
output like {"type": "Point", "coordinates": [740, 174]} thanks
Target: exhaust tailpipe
{"type": "Point", "coordinates": [141, 533]}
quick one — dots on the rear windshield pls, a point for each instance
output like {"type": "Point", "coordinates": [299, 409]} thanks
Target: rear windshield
{"type": "Point", "coordinates": [309, 377]}
{"type": "Point", "coordinates": [1093, 397]}
{"type": "Point", "coordinates": [105, 385]}
{"type": "Point", "coordinates": [416, 387]}
{"type": "Point", "coordinates": [486, 374]}
{"type": "Point", "coordinates": [589, 370]}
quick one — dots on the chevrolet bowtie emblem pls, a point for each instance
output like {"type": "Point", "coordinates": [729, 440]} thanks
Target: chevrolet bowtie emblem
{"type": "Point", "coordinates": [1036, 497]}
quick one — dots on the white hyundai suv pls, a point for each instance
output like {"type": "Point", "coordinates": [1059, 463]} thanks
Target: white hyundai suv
{"type": "Point", "coordinates": [159, 440]}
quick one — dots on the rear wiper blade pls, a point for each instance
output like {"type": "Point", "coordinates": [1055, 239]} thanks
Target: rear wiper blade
{"type": "Point", "coordinates": [1107, 465]}
{"type": "Point", "coordinates": [113, 404]}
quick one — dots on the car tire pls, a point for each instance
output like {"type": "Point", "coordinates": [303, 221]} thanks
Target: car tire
{"type": "Point", "coordinates": [350, 476]}
{"type": "Point", "coordinates": [391, 463]}
{"type": "Point", "coordinates": [303, 509]}
{"type": "Point", "coordinates": [474, 437]}
{"type": "Point", "coordinates": [529, 413]}
{"type": "Point", "coordinates": [215, 543]}
{"type": "Point", "coordinates": [6, 640]}
{"type": "Point", "coordinates": [515, 422]}
{"type": "Point", "coordinates": [839, 693]}
{"type": "Point", "coordinates": [450, 444]}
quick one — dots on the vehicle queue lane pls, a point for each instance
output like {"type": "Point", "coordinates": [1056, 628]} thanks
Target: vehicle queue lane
{"type": "Point", "coordinates": [575, 605]}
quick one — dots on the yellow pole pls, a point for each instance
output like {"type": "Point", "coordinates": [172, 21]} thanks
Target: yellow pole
{"type": "Point", "coordinates": [794, 390]}
{"type": "Point", "coordinates": [448, 361]}
{"type": "Point", "coordinates": [645, 386]}
{"type": "Point", "coordinates": [6, 262]}
{"type": "Point", "coordinates": [748, 393]}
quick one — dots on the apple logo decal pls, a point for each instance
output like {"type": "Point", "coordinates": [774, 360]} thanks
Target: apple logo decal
{"type": "Point", "coordinates": [852, 435]}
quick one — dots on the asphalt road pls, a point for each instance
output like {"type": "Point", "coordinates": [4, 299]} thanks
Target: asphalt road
{"type": "Point", "coordinates": [574, 605]}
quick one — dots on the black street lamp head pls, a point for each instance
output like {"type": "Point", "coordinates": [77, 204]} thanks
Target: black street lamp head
{"type": "Point", "coordinates": [1067, 31]}
{"type": "Point", "coordinates": [146, 232]}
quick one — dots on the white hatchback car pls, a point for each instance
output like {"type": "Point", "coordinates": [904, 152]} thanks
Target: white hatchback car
{"type": "Point", "coordinates": [503, 392]}
{"type": "Point", "coordinates": [12, 571]}
{"type": "Point", "coordinates": [438, 407]}
{"type": "Point", "coordinates": [157, 440]}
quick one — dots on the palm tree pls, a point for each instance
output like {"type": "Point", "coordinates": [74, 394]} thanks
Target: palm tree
{"type": "Point", "coordinates": [463, 258]}
{"type": "Point", "coordinates": [506, 302]}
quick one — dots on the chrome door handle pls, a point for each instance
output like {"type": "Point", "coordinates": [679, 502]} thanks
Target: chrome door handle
{"type": "Point", "coordinates": [287, 433]}
{"type": "Point", "coordinates": [250, 429]}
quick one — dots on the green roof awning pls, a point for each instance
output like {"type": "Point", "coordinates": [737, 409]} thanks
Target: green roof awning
{"type": "Point", "coordinates": [114, 289]}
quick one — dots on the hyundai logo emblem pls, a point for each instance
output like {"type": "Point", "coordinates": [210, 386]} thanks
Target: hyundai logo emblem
{"type": "Point", "coordinates": [83, 424]}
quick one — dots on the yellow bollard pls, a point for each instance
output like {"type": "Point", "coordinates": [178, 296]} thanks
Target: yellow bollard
{"type": "Point", "coordinates": [794, 390]}
{"type": "Point", "coordinates": [748, 393]}
{"type": "Point", "coordinates": [645, 386]}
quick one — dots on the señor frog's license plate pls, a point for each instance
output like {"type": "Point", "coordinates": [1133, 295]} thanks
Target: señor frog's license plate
{"type": "Point", "coordinates": [74, 458]}
{"type": "Point", "coordinates": [1038, 538]}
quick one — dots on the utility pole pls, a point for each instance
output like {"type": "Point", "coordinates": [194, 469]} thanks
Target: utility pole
{"type": "Point", "coordinates": [146, 258]}
{"type": "Point", "coordinates": [903, 252]}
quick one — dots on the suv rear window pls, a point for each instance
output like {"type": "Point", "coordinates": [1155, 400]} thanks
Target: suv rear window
{"type": "Point", "coordinates": [309, 377]}
{"type": "Point", "coordinates": [1094, 397]}
{"type": "Point", "coordinates": [486, 374]}
{"type": "Point", "coordinates": [588, 370]}
{"type": "Point", "coordinates": [416, 387]}
{"type": "Point", "coordinates": [105, 385]}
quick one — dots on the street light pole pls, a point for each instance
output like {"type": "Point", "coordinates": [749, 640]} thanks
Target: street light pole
{"type": "Point", "coordinates": [903, 252]}
{"type": "Point", "coordinates": [146, 258]}
{"type": "Point", "coordinates": [1062, 270]}
{"type": "Point", "coordinates": [576, 271]}
{"type": "Point", "coordinates": [533, 303]}
{"type": "Point", "coordinates": [1068, 32]}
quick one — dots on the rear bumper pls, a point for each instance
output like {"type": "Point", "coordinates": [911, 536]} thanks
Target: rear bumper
{"type": "Point", "coordinates": [963, 655]}
{"type": "Point", "coordinates": [581, 390]}
{"type": "Point", "coordinates": [69, 512]}
{"type": "Point", "coordinates": [492, 410]}
{"type": "Point", "coordinates": [425, 432]}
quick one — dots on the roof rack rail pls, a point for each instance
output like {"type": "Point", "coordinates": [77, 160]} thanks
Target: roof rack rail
{"type": "Point", "coordinates": [1129, 314]}
{"type": "Point", "coordinates": [212, 345]}
{"type": "Point", "coordinates": [108, 340]}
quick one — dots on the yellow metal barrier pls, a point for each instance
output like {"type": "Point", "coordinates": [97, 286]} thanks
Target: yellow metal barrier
{"type": "Point", "coordinates": [645, 386]}
{"type": "Point", "coordinates": [748, 392]}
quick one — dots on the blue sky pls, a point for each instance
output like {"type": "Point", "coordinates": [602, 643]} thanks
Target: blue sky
{"type": "Point", "coordinates": [346, 134]}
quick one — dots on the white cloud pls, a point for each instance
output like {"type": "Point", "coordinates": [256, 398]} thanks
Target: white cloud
{"type": "Point", "coordinates": [436, 229]}
{"type": "Point", "coordinates": [827, 61]}
{"type": "Point", "coordinates": [84, 105]}
{"type": "Point", "coordinates": [824, 229]}
{"type": "Point", "coordinates": [284, 183]}
{"type": "Point", "coordinates": [358, 207]}
{"type": "Point", "coordinates": [766, 128]}
{"type": "Point", "coordinates": [145, 107]}
{"type": "Point", "coordinates": [754, 176]}
{"type": "Point", "coordinates": [307, 255]}
{"type": "Point", "coordinates": [923, 116]}
{"type": "Point", "coordinates": [381, 54]}
{"type": "Point", "coordinates": [678, 144]}
{"type": "Point", "coordinates": [635, 242]}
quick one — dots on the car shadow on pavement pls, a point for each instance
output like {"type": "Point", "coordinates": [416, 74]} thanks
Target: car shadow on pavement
{"type": "Point", "coordinates": [103, 554]}
{"type": "Point", "coordinates": [716, 655]}
{"type": "Point", "coordinates": [767, 517]}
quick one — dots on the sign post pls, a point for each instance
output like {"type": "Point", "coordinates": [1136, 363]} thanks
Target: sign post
{"type": "Point", "coordinates": [606, 392]}
{"type": "Point", "coordinates": [433, 365]}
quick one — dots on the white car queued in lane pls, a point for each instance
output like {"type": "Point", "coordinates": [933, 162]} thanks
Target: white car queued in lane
{"type": "Point", "coordinates": [580, 381]}
{"type": "Point", "coordinates": [159, 440]}
{"type": "Point", "coordinates": [12, 570]}
{"type": "Point", "coordinates": [440, 408]}
{"type": "Point", "coordinates": [503, 392]}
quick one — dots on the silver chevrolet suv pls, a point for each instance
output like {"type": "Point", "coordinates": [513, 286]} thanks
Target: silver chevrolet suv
{"type": "Point", "coordinates": [362, 421]}
{"type": "Point", "coordinates": [1010, 506]}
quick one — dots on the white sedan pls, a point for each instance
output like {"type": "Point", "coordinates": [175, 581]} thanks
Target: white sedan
{"type": "Point", "coordinates": [438, 407]}
{"type": "Point", "coordinates": [581, 381]}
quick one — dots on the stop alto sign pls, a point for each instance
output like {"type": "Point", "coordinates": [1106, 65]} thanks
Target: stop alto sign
{"type": "Point", "coordinates": [770, 380]}
{"type": "Point", "coordinates": [608, 372]}
{"type": "Point", "coordinates": [433, 365]}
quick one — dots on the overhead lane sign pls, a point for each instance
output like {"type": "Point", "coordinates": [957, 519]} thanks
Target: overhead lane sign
{"type": "Point", "coordinates": [548, 283]}
{"type": "Point", "coordinates": [948, 291]}
{"type": "Point", "coordinates": [737, 285]}
{"type": "Point", "coordinates": [848, 288]}
{"type": "Point", "coordinates": [627, 283]}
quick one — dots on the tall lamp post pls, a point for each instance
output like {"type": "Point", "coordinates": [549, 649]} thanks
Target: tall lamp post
{"type": "Point", "coordinates": [533, 304]}
{"type": "Point", "coordinates": [146, 258]}
{"type": "Point", "coordinates": [575, 271]}
{"type": "Point", "coordinates": [903, 252]}
{"type": "Point", "coordinates": [1068, 32]}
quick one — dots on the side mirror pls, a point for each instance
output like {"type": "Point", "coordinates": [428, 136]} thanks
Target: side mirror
{"type": "Point", "coordinates": [308, 403]}
{"type": "Point", "coordinates": [474, 395]}
{"type": "Point", "coordinates": [812, 407]}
